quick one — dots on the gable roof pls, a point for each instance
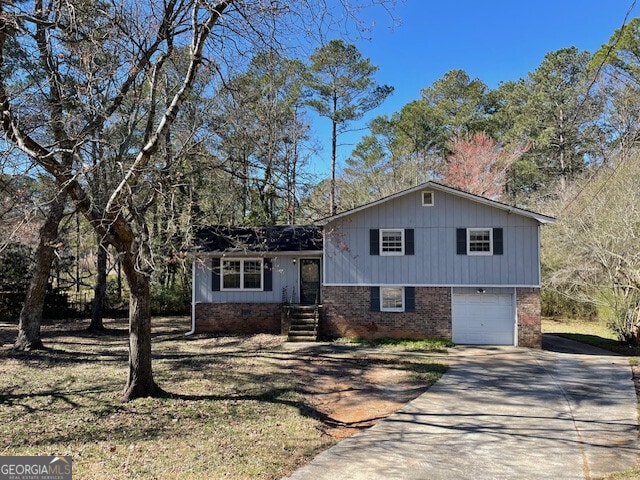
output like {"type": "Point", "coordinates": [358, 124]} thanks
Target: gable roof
{"type": "Point", "coordinates": [544, 219]}
{"type": "Point", "coordinates": [282, 238]}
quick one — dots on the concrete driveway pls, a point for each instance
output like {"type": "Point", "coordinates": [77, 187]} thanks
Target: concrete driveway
{"type": "Point", "coordinates": [566, 412]}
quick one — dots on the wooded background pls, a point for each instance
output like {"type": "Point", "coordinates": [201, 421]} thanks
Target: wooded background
{"type": "Point", "coordinates": [129, 125]}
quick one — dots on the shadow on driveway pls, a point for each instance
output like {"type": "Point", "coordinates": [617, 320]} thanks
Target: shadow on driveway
{"type": "Point", "coordinates": [568, 412]}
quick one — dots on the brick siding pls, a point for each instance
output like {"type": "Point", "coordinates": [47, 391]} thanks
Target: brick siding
{"type": "Point", "coordinates": [346, 313]}
{"type": "Point", "coordinates": [234, 318]}
{"type": "Point", "coordinates": [528, 305]}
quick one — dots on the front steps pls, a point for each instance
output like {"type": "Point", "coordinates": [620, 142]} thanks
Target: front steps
{"type": "Point", "coordinates": [303, 325]}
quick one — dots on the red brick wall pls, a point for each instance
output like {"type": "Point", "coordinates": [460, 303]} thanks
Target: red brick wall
{"type": "Point", "coordinates": [346, 314]}
{"type": "Point", "coordinates": [234, 318]}
{"type": "Point", "coordinates": [528, 305]}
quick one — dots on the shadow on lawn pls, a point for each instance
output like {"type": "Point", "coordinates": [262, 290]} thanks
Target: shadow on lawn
{"type": "Point", "coordinates": [144, 419]}
{"type": "Point", "coordinates": [15, 399]}
{"type": "Point", "coordinates": [53, 356]}
{"type": "Point", "coordinates": [274, 396]}
{"type": "Point", "coordinates": [585, 340]}
{"type": "Point", "coordinates": [238, 369]}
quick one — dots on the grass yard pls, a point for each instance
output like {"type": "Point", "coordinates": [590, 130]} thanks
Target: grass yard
{"type": "Point", "coordinates": [239, 406]}
{"type": "Point", "coordinates": [592, 332]}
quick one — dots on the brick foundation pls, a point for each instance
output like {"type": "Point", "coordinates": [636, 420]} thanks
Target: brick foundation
{"type": "Point", "coordinates": [346, 313]}
{"type": "Point", "coordinates": [235, 318]}
{"type": "Point", "coordinates": [529, 327]}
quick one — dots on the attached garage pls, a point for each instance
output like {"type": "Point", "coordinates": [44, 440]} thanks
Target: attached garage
{"type": "Point", "coordinates": [483, 319]}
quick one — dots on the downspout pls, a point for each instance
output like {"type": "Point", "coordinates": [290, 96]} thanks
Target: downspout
{"type": "Point", "coordinates": [193, 299]}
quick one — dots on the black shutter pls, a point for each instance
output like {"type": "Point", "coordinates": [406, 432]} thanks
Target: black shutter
{"type": "Point", "coordinates": [215, 275]}
{"type": "Point", "coordinates": [374, 241]}
{"type": "Point", "coordinates": [409, 248]}
{"type": "Point", "coordinates": [375, 299]}
{"type": "Point", "coordinates": [409, 299]}
{"type": "Point", "coordinates": [498, 242]}
{"type": "Point", "coordinates": [268, 274]}
{"type": "Point", "coordinates": [461, 241]}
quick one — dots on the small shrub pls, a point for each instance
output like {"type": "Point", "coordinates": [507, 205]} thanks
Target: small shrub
{"type": "Point", "coordinates": [15, 265]}
{"type": "Point", "coordinates": [56, 304]}
{"type": "Point", "coordinates": [400, 343]}
{"type": "Point", "coordinates": [174, 300]}
{"type": "Point", "coordinates": [116, 297]}
{"type": "Point", "coordinates": [559, 305]}
{"type": "Point", "coordinates": [625, 325]}
{"type": "Point", "coordinates": [409, 344]}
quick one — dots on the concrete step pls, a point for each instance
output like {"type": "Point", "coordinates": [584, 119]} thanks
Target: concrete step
{"type": "Point", "coordinates": [303, 331]}
{"type": "Point", "coordinates": [294, 337]}
{"type": "Point", "coordinates": [304, 325]}
{"type": "Point", "coordinates": [303, 321]}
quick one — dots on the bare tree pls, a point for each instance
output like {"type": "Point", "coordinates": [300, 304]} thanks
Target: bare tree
{"type": "Point", "coordinates": [94, 58]}
{"type": "Point", "coordinates": [121, 220]}
{"type": "Point", "coordinates": [593, 253]}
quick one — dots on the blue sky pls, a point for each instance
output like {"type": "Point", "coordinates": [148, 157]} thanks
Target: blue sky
{"type": "Point", "coordinates": [494, 41]}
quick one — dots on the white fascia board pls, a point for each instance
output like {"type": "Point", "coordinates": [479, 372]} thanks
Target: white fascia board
{"type": "Point", "coordinates": [448, 285]}
{"type": "Point", "coordinates": [304, 253]}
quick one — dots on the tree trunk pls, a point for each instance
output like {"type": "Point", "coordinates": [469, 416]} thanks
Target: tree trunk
{"type": "Point", "coordinates": [31, 313]}
{"type": "Point", "coordinates": [100, 288]}
{"type": "Point", "coordinates": [333, 206]}
{"type": "Point", "coordinates": [140, 382]}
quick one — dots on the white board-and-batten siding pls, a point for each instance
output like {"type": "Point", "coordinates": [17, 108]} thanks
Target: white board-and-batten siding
{"type": "Point", "coordinates": [435, 262]}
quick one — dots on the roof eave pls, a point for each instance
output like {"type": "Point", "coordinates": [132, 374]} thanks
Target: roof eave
{"type": "Point", "coordinates": [543, 219]}
{"type": "Point", "coordinates": [261, 253]}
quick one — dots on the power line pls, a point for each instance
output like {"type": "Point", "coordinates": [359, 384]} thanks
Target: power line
{"type": "Point", "coordinates": [603, 62]}
{"type": "Point", "coordinates": [611, 47]}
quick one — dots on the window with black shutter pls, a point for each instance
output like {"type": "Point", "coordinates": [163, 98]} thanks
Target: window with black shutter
{"type": "Point", "coordinates": [393, 299]}
{"type": "Point", "coordinates": [479, 241]}
{"type": "Point", "coordinates": [391, 241]}
{"type": "Point", "coordinates": [241, 274]}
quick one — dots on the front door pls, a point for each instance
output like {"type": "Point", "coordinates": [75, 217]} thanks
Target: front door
{"type": "Point", "coordinates": [309, 281]}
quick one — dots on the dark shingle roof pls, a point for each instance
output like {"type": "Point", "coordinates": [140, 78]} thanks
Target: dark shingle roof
{"type": "Point", "coordinates": [285, 238]}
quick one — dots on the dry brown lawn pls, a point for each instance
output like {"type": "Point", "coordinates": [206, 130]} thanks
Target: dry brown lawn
{"type": "Point", "coordinates": [238, 407]}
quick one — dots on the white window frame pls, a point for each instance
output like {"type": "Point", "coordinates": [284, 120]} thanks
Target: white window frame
{"type": "Point", "coordinates": [242, 273]}
{"type": "Point", "coordinates": [387, 289]}
{"type": "Point", "coordinates": [392, 253]}
{"type": "Point", "coordinates": [483, 230]}
{"type": "Point", "coordinates": [432, 195]}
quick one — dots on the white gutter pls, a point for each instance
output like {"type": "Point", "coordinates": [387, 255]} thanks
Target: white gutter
{"type": "Point", "coordinates": [193, 299]}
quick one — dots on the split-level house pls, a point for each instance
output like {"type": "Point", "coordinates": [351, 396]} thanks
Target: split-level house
{"type": "Point", "coordinates": [428, 262]}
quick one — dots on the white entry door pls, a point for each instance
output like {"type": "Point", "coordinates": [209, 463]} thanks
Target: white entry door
{"type": "Point", "coordinates": [483, 319]}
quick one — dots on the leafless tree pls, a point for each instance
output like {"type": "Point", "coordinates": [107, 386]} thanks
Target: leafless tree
{"type": "Point", "coordinates": [593, 253]}
{"type": "Point", "coordinates": [74, 70]}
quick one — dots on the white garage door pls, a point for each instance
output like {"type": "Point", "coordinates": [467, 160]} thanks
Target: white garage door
{"type": "Point", "coordinates": [483, 319]}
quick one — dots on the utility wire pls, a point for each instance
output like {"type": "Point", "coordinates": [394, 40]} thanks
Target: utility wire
{"type": "Point", "coordinates": [593, 82]}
